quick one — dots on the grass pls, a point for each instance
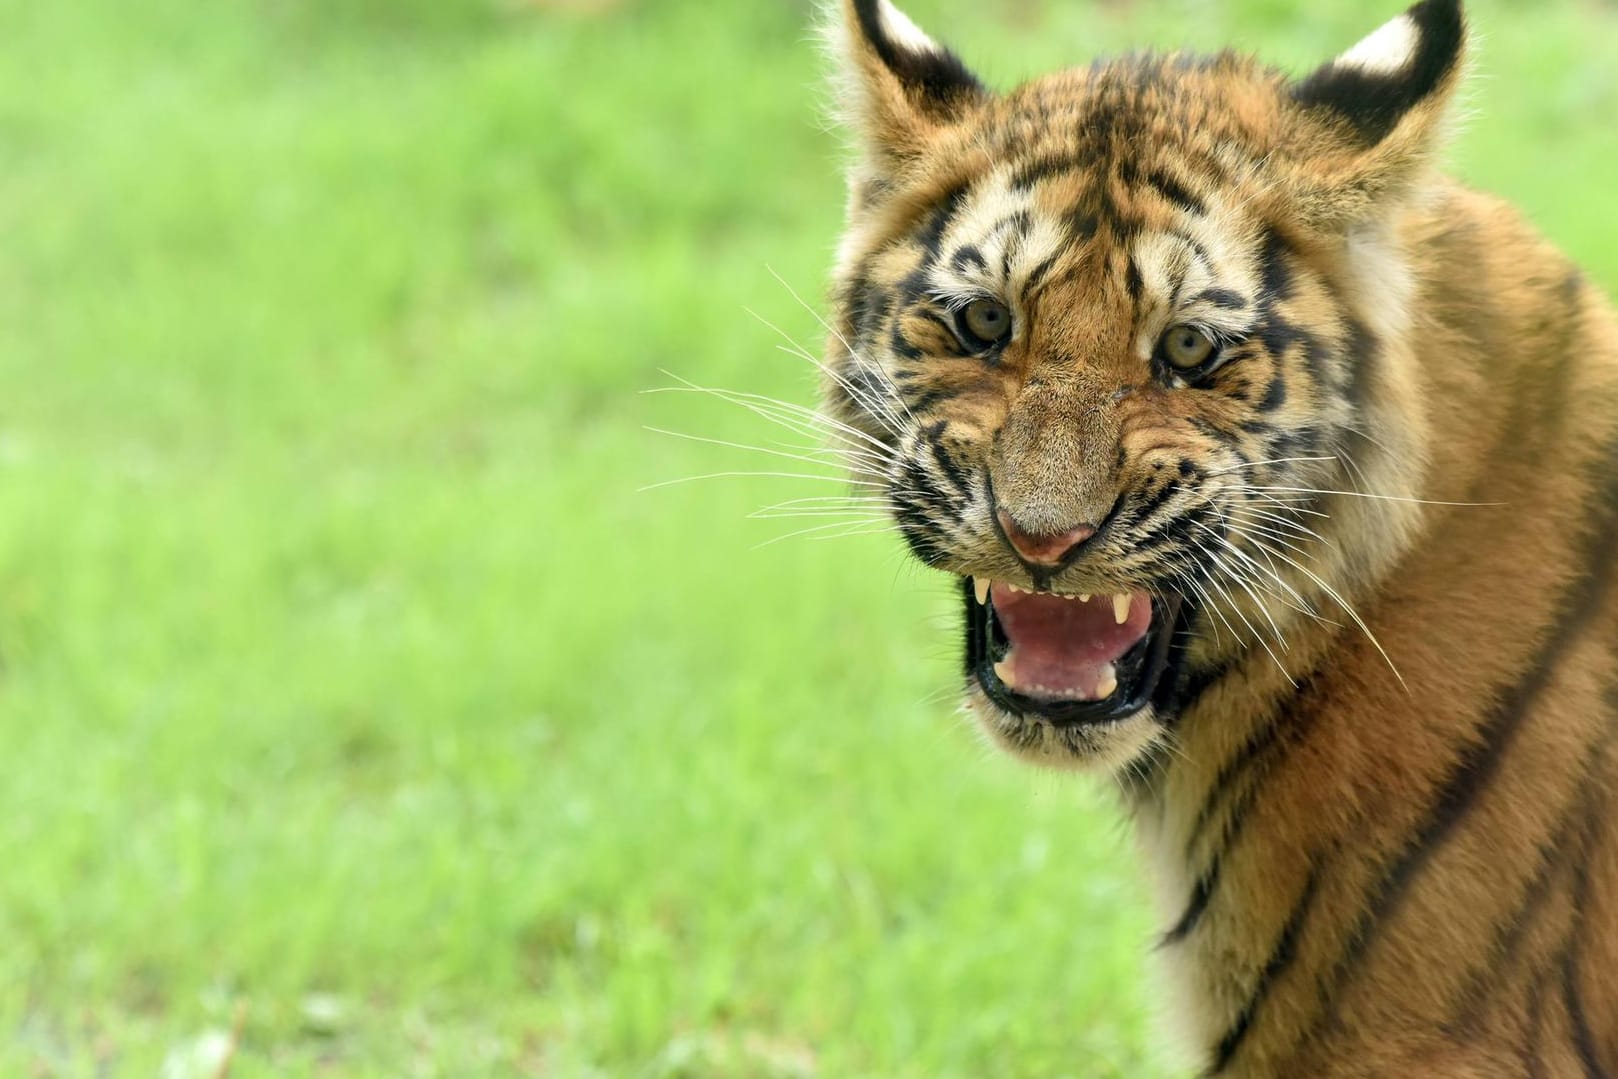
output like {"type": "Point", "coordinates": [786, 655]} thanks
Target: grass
{"type": "Point", "coordinates": [350, 687]}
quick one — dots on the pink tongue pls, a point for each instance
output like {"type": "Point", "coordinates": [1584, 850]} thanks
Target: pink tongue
{"type": "Point", "coordinates": [1064, 648]}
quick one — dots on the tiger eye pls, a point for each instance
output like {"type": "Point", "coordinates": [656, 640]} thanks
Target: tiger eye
{"type": "Point", "coordinates": [1187, 348]}
{"type": "Point", "coordinates": [987, 320]}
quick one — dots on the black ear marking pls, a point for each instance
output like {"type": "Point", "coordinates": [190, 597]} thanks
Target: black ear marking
{"type": "Point", "coordinates": [935, 77]}
{"type": "Point", "coordinates": [1373, 97]}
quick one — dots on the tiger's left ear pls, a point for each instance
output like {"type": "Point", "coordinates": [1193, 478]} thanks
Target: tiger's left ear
{"type": "Point", "coordinates": [897, 87]}
{"type": "Point", "coordinates": [1378, 112]}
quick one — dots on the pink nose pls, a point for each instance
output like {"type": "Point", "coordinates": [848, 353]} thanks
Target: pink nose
{"type": "Point", "coordinates": [1043, 550]}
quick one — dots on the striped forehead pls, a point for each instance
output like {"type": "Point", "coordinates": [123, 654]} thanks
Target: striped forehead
{"type": "Point", "coordinates": [1201, 268]}
{"type": "Point", "coordinates": [997, 241]}
{"type": "Point", "coordinates": [1190, 265]}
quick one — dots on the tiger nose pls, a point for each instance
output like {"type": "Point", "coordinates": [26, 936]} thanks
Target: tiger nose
{"type": "Point", "coordinates": [1046, 550]}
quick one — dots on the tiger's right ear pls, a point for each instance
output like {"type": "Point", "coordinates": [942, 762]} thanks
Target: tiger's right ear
{"type": "Point", "coordinates": [1376, 115]}
{"type": "Point", "coordinates": [897, 86]}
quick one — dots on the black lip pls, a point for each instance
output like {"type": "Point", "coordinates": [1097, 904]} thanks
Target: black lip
{"type": "Point", "coordinates": [1142, 669]}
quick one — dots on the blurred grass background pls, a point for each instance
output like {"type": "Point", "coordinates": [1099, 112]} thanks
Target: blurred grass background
{"type": "Point", "coordinates": [361, 717]}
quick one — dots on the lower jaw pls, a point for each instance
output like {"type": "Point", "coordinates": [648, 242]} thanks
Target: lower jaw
{"type": "Point", "coordinates": [1147, 672]}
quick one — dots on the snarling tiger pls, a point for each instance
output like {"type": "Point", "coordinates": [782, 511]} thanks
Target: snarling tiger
{"type": "Point", "coordinates": [1280, 475]}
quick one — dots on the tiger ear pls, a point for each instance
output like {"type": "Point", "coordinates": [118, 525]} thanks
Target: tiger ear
{"type": "Point", "coordinates": [897, 87]}
{"type": "Point", "coordinates": [1379, 112]}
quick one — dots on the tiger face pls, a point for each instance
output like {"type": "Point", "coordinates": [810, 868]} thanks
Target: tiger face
{"type": "Point", "coordinates": [1110, 341]}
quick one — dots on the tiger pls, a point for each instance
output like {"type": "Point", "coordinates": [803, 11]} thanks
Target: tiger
{"type": "Point", "coordinates": [1278, 474]}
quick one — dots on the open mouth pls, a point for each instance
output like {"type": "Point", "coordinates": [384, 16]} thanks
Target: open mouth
{"type": "Point", "coordinates": [1070, 659]}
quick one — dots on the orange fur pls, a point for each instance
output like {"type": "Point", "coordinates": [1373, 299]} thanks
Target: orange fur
{"type": "Point", "coordinates": [1383, 845]}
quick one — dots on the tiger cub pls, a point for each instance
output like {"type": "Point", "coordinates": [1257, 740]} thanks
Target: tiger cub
{"type": "Point", "coordinates": [1280, 476]}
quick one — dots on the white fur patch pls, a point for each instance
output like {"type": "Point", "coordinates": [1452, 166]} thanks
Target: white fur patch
{"type": "Point", "coordinates": [1173, 277]}
{"type": "Point", "coordinates": [1009, 254]}
{"type": "Point", "coordinates": [1388, 50]}
{"type": "Point", "coordinates": [902, 32]}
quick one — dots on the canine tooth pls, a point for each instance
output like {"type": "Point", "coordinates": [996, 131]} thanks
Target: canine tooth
{"type": "Point", "coordinates": [1002, 671]}
{"type": "Point", "coordinates": [1120, 609]}
{"type": "Point", "coordinates": [1109, 682]}
{"type": "Point", "coordinates": [980, 585]}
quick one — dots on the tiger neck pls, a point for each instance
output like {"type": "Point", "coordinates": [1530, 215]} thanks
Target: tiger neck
{"type": "Point", "coordinates": [1337, 760]}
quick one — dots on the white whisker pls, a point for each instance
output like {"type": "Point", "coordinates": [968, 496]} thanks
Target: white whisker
{"type": "Point", "coordinates": [818, 529]}
{"type": "Point", "coordinates": [1364, 494]}
{"type": "Point", "coordinates": [761, 475]}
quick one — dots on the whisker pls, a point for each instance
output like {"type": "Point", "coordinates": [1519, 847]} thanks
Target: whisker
{"type": "Point", "coordinates": [760, 475]}
{"type": "Point", "coordinates": [1272, 461]}
{"type": "Point", "coordinates": [885, 416]}
{"type": "Point", "coordinates": [782, 515]}
{"type": "Point", "coordinates": [816, 529]}
{"type": "Point", "coordinates": [1347, 609]}
{"type": "Point", "coordinates": [886, 529]}
{"type": "Point", "coordinates": [799, 419]}
{"type": "Point", "coordinates": [853, 354]}
{"type": "Point", "coordinates": [758, 449]}
{"type": "Point", "coordinates": [1383, 498]}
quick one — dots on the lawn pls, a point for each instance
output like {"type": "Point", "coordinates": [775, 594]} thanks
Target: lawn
{"type": "Point", "coordinates": [364, 716]}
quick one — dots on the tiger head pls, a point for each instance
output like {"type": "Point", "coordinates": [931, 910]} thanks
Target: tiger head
{"type": "Point", "coordinates": [1107, 341]}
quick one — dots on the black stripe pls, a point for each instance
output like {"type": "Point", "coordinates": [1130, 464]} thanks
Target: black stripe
{"type": "Point", "coordinates": [1082, 225]}
{"type": "Point", "coordinates": [1509, 935]}
{"type": "Point", "coordinates": [1037, 274]}
{"type": "Point", "coordinates": [1257, 743]}
{"type": "Point", "coordinates": [932, 234]}
{"type": "Point", "coordinates": [921, 402]}
{"type": "Point", "coordinates": [1174, 191]}
{"type": "Point", "coordinates": [956, 477]}
{"type": "Point", "coordinates": [1194, 685]}
{"type": "Point", "coordinates": [1231, 834]}
{"type": "Point", "coordinates": [1275, 274]}
{"type": "Point", "coordinates": [869, 306]}
{"type": "Point", "coordinates": [1032, 172]}
{"type": "Point", "coordinates": [1555, 853]}
{"type": "Point", "coordinates": [1156, 501]}
{"type": "Point", "coordinates": [1363, 352]}
{"type": "Point", "coordinates": [1132, 279]}
{"type": "Point", "coordinates": [1479, 763]}
{"type": "Point", "coordinates": [1281, 957]}
{"type": "Point", "coordinates": [1555, 387]}
{"type": "Point", "coordinates": [1275, 395]}
{"type": "Point", "coordinates": [968, 256]}
{"type": "Point", "coordinates": [913, 527]}
{"type": "Point", "coordinates": [901, 346]}
{"type": "Point", "coordinates": [1201, 892]}
{"type": "Point", "coordinates": [922, 483]}
{"type": "Point", "coordinates": [1584, 1042]}
{"type": "Point", "coordinates": [1536, 1012]}
{"type": "Point", "coordinates": [1221, 297]}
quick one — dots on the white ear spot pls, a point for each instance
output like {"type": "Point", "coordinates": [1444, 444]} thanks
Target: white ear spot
{"type": "Point", "coordinates": [904, 33]}
{"type": "Point", "coordinates": [1387, 50]}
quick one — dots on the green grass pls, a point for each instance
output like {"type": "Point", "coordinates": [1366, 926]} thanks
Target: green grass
{"type": "Point", "coordinates": [347, 681]}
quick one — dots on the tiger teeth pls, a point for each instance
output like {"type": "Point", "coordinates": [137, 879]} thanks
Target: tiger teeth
{"type": "Point", "coordinates": [1002, 671]}
{"type": "Point", "coordinates": [1084, 597]}
{"type": "Point", "coordinates": [980, 587]}
{"type": "Point", "coordinates": [1120, 609]}
{"type": "Point", "coordinates": [1108, 683]}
